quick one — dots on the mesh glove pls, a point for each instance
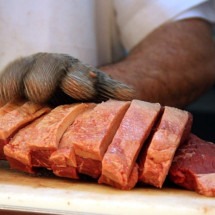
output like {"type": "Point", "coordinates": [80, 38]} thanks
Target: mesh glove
{"type": "Point", "coordinates": [50, 77]}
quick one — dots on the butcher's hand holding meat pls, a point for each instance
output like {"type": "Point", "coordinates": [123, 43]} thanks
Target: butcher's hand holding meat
{"type": "Point", "coordinates": [48, 76]}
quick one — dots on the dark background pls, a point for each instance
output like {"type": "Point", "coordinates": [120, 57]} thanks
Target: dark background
{"type": "Point", "coordinates": [203, 111]}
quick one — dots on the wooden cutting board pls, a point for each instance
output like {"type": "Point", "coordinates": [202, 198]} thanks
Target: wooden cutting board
{"type": "Point", "coordinates": [52, 195]}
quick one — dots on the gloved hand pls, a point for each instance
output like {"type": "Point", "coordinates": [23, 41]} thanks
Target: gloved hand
{"type": "Point", "coordinates": [45, 77]}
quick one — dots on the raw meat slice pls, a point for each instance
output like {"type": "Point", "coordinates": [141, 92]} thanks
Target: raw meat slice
{"type": "Point", "coordinates": [63, 163]}
{"type": "Point", "coordinates": [16, 117]}
{"type": "Point", "coordinates": [156, 158]}
{"type": "Point", "coordinates": [43, 136]}
{"type": "Point", "coordinates": [45, 140]}
{"type": "Point", "coordinates": [193, 166]}
{"type": "Point", "coordinates": [133, 178]}
{"type": "Point", "coordinates": [93, 132]}
{"type": "Point", "coordinates": [63, 160]}
{"type": "Point", "coordinates": [3, 110]}
{"type": "Point", "coordinates": [17, 150]}
{"type": "Point", "coordinates": [120, 158]}
{"type": "Point", "coordinates": [10, 106]}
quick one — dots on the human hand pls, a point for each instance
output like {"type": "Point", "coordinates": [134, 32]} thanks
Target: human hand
{"type": "Point", "coordinates": [45, 77]}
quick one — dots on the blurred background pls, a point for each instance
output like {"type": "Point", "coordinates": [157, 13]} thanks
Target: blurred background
{"type": "Point", "coordinates": [203, 111]}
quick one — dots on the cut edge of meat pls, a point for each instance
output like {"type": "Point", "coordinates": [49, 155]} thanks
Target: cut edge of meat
{"type": "Point", "coordinates": [66, 172]}
{"type": "Point", "coordinates": [17, 151]}
{"type": "Point", "coordinates": [196, 182]}
{"type": "Point", "coordinates": [186, 170]}
{"type": "Point", "coordinates": [98, 152]}
{"type": "Point", "coordinates": [40, 154]}
{"type": "Point", "coordinates": [132, 181]}
{"type": "Point", "coordinates": [120, 158]}
{"type": "Point", "coordinates": [17, 165]}
{"type": "Point", "coordinates": [152, 171]}
{"type": "Point", "coordinates": [188, 179]}
{"type": "Point", "coordinates": [13, 120]}
{"type": "Point", "coordinates": [10, 106]}
{"type": "Point", "coordinates": [63, 163]}
{"type": "Point", "coordinates": [208, 180]}
{"type": "Point", "coordinates": [21, 124]}
{"type": "Point", "coordinates": [90, 164]}
{"type": "Point", "coordinates": [64, 159]}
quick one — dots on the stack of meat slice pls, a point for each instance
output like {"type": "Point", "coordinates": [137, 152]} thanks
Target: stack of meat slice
{"type": "Point", "coordinates": [119, 143]}
{"type": "Point", "coordinates": [33, 145]}
{"type": "Point", "coordinates": [16, 115]}
{"type": "Point", "coordinates": [119, 166]}
{"type": "Point", "coordinates": [156, 158]}
{"type": "Point", "coordinates": [86, 140]}
{"type": "Point", "coordinates": [63, 160]}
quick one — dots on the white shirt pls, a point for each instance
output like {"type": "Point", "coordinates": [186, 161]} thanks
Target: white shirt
{"type": "Point", "coordinates": [92, 30]}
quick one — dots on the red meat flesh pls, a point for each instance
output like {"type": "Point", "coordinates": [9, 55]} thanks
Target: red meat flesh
{"type": "Point", "coordinates": [32, 145]}
{"type": "Point", "coordinates": [193, 166]}
{"type": "Point", "coordinates": [15, 117]}
{"type": "Point", "coordinates": [17, 151]}
{"type": "Point", "coordinates": [63, 163]}
{"type": "Point", "coordinates": [10, 106]}
{"type": "Point", "coordinates": [3, 110]}
{"type": "Point", "coordinates": [93, 132]}
{"type": "Point", "coordinates": [120, 158]}
{"type": "Point", "coordinates": [63, 160]}
{"type": "Point", "coordinates": [156, 158]}
{"type": "Point", "coordinates": [45, 140]}
{"type": "Point", "coordinates": [133, 178]}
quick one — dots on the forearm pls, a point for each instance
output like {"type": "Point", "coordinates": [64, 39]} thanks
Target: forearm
{"type": "Point", "coordinates": [173, 65]}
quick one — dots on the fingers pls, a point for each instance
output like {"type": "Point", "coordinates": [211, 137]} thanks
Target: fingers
{"type": "Point", "coordinates": [45, 76]}
{"type": "Point", "coordinates": [35, 77]}
{"type": "Point", "coordinates": [11, 79]}
{"type": "Point", "coordinates": [109, 88]}
{"type": "Point", "coordinates": [83, 82]}
{"type": "Point", "coordinates": [79, 83]}
{"type": "Point", "coordinates": [58, 78]}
